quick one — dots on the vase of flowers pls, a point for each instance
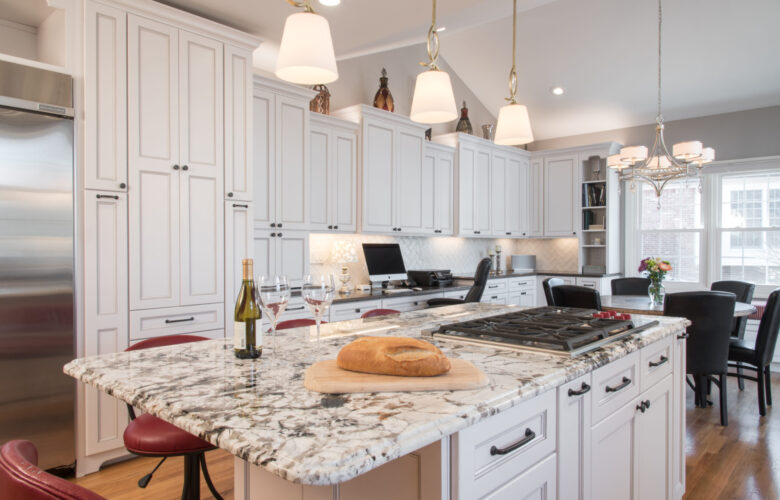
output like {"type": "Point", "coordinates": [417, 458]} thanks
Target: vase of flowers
{"type": "Point", "coordinates": [656, 270]}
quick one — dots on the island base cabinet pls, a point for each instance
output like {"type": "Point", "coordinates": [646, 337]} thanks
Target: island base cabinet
{"type": "Point", "coordinates": [537, 483]}
{"type": "Point", "coordinates": [416, 476]}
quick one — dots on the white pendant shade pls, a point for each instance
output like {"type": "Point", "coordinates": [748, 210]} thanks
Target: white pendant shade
{"type": "Point", "coordinates": [514, 126]}
{"type": "Point", "coordinates": [633, 154]}
{"type": "Point", "coordinates": [687, 150]}
{"type": "Point", "coordinates": [433, 101]}
{"type": "Point", "coordinates": [707, 155]}
{"type": "Point", "coordinates": [614, 161]}
{"type": "Point", "coordinates": [306, 53]}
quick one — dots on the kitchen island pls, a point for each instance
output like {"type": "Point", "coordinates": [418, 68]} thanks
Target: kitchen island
{"type": "Point", "coordinates": [446, 444]}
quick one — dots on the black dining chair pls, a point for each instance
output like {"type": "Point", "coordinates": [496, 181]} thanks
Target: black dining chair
{"type": "Point", "coordinates": [630, 286]}
{"type": "Point", "coordinates": [576, 296]}
{"type": "Point", "coordinates": [548, 285]}
{"type": "Point", "coordinates": [759, 356]}
{"type": "Point", "coordinates": [475, 292]}
{"type": "Point", "coordinates": [744, 292]}
{"type": "Point", "coordinates": [708, 340]}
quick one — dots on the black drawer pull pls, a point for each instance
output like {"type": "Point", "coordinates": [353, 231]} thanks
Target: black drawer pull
{"type": "Point", "coordinates": [239, 205]}
{"type": "Point", "coordinates": [357, 310]}
{"type": "Point", "coordinates": [661, 361]}
{"type": "Point", "coordinates": [169, 321]}
{"type": "Point", "coordinates": [682, 336]}
{"type": "Point", "coordinates": [296, 308]}
{"type": "Point", "coordinates": [584, 389]}
{"type": "Point", "coordinates": [529, 436]}
{"type": "Point", "coordinates": [492, 286]}
{"type": "Point", "coordinates": [626, 382]}
{"type": "Point", "coordinates": [111, 196]}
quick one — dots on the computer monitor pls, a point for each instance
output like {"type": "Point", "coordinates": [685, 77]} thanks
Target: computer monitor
{"type": "Point", "coordinates": [384, 261]}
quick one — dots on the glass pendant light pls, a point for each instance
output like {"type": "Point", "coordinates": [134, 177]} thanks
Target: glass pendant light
{"type": "Point", "coordinates": [306, 53]}
{"type": "Point", "coordinates": [433, 100]}
{"type": "Point", "coordinates": [514, 126]}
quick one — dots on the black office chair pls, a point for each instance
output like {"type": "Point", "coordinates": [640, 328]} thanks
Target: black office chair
{"type": "Point", "coordinates": [744, 292]}
{"type": "Point", "coordinates": [475, 292]}
{"type": "Point", "coordinates": [576, 296]}
{"type": "Point", "coordinates": [759, 356]}
{"type": "Point", "coordinates": [630, 286]}
{"type": "Point", "coordinates": [708, 340]}
{"type": "Point", "coordinates": [548, 285]}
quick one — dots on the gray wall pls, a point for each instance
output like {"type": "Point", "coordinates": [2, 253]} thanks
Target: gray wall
{"type": "Point", "coordinates": [359, 80]}
{"type": "Point", "coordinates": [742, 134]}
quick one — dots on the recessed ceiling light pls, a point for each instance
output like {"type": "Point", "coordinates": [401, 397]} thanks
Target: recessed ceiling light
{"type": "Point", "coordinates": [330, 3]}
{"type": "Point", "coordinates": [557, 90]}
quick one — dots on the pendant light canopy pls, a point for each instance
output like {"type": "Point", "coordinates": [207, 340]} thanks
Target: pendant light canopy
{"type": "Point", "coordinates": [306, 53]}
{"type": "Point", "coordinates": [514, 126]}
{"type": "Point", "coordinates": [433, 100]}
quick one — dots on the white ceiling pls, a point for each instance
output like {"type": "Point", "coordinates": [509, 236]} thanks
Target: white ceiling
{"type": "Point", "coordinates": [719, 55]}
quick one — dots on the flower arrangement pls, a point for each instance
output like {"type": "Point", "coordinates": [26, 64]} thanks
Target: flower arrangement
{"type": "Point", "coordinates": [656, 270]}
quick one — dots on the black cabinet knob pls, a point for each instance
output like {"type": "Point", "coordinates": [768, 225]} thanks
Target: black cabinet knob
{"type": "Point", "coordinates": [176, 167]}
{"type": "Point", "coordinates": [279, 224]}
{"type": "Point", "coordinates": [279, 235]}
{"type": "Point", "coordinates": [185, 167]}
{"type": "Point", "coordinates": [273, 235]}
{"type": "Point", "coordinates": [273, 224]}
{"type": "Point", "coordinates": [508, 233]}
{"type": "Point", "coordinates": [335, 227]}
{"type": "Point", "coordinates": [523, 234]}
{"type": "Point", "coordinates": [122, 185]}
{"type": "Point", "coordinates": [230, 195]}
{"type": "Point", "coordinates": [330, 227]}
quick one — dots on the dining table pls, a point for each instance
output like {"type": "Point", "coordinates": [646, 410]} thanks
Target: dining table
{"type": "Point", "coordinates": [640, 304]}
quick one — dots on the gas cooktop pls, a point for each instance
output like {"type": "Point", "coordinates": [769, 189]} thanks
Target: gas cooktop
{"type": "Point", "coordinates": [566, 331]}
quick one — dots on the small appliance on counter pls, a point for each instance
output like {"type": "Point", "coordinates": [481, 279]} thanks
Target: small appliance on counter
{"type": "Point", "coordinates": [431, 277]}
{"type": "Point", "coordinates": [523, 263]}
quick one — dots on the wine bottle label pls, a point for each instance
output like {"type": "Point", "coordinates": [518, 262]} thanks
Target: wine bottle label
{"type": "Point", "coordinates": [239, 335]}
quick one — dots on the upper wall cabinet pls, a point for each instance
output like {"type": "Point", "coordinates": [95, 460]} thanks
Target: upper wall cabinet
{"type": "Point", "coordinates": [175, 103]}
{"type": "Point", "coordinates": [238, 124]}
{"type": "Point", "coordinates": [281, 154]}
{"type": "Point", "coordinates": [438, 189]}
{"type": "Point", "coordinates": [105, 97]}
{"type": "Point", "coordinates": [391, 165]}
{"type": "Point", "coordinates": [536, 197]}
{"type": "Point", "coordinates": [333, 174]}
{"type": "Point", "coordinates": [561, 189]}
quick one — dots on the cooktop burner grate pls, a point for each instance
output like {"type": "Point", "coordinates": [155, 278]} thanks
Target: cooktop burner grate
{"type": "Point", "coordinates": [562, 330]}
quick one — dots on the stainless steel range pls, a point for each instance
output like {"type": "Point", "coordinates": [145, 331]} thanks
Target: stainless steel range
{"type": "Point", "coordinates": [566, 331]}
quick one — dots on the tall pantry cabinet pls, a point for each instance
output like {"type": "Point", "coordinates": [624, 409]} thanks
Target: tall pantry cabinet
{"type": "Point", "coordinates": [167, 197]}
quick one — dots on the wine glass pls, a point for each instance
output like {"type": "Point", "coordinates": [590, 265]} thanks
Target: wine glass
{"type": "Point", "coordinates": [318, 291]}
{"type": "Point", "coordinates": [274, 295]}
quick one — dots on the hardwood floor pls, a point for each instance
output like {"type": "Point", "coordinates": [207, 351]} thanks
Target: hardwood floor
{"type": "Point", "coordinates": [741, 461]}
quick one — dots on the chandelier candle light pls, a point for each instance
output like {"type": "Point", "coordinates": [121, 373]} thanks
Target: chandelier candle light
{"type": "Point", "coordinates": [658, 167]}
{"type": "Point", "coordinates": [306, 53]}
{"type": "Point", "coordinates": [433, 100]}
{"type": "Point", "coordinates": [514, 126]}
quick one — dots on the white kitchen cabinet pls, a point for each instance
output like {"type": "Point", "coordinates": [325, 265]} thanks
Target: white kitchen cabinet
{"type": "Point", "coordinates": [352, 310]}
{"type": "Point", "coordinates": [482, 186]}
{"type": "Point", "coordinates": [467, 167]}
{"type": "Point", "coordinates": [613, 455]}
{"type": "Point", "coordinates": [561, 201]}
{"type": "Point", "coordinates": [536, 197]}
{"type": "Point", "coordinates": [238, 124]}
{"type": "Point", "coordinates": [516, 201]}
{"type": "Point", "coordinates": [281, 154]}
{"type": "Point", "coordinates": [333, 174]}
{"type": "Point", "coordinates": [521, 291]}
{"type": "Point", "coordinates": [537, 483]}
{"type": "Point", "coordinates": [105, 310]}
{"type": "Point", "coordinates": [437, 192]}
{"type": "Point", "coordinates": [105, 97]}
{"type": "Point", "coordinates": [498, 193]}
{"type": "Point", "coordinates": [678, 418]}
{"type": "Point", "coordinates": [574, 434]}
{"type": "Point", "coordinates": [412, 303]}
{"type": "Point", "coordinates": [239, 245]}
{"type": "Point", "coordinates": [282, 253]}
{"type": "Point", "coordinates": [655, 442]}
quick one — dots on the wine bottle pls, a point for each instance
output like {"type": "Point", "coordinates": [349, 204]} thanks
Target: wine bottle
{"type": "Point", "coordinates": [247, 339]}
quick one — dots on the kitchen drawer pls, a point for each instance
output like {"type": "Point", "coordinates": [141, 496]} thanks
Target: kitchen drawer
{"type": "Point", "coordinates": [296, 309]}
{"type": "Point", "coordinates": [150, 323]}
{"type": "Point", "coordinates": [614, 385]}
{"type": "Point", "coordinates": [515, 284]}
{"type": "Point", "coordinates": [209, 334]}
{"type": "Point", "coordinates": [494, 298]}
{"type": "Point", "coordinates": [656, 362]}
{"type": "Point", "coordinates": [537, 482]}
{"type": "Point", "coordinates": [495, 286]}
{"type": "Point", "coordinates": [457, 294]}
{"type": "Point", "coordinates": [594, 283]}
{"type": "Point", "coordinates": [352, 310]}
{"type": "Point", "coordinates": [532, 423]}
{"type": "Point", "coordinates": [412, 303]}
{"type": "Point", "coordinates": [522, 298]}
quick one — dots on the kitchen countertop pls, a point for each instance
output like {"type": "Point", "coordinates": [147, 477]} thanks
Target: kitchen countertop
{"type": "Point", "coordinates": [541, 273]}
{"type": "Point", "coordinates": [269, 419]}
{"type": "Point", "coordinates": [376, 293]}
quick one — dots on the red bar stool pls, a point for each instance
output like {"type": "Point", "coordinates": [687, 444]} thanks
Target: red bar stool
{"type": "Point", "coordinates": [296, 323]}
{"type": "Point", "coordinates": [20, 477]}
{"type": "Point", "coordinates": [378, 312]}
{"type": "Point", "coordinates": [149, 436]}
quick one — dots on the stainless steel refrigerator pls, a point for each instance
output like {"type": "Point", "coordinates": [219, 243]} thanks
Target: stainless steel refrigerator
{"type": "Point", "coordinates": [36, 261]}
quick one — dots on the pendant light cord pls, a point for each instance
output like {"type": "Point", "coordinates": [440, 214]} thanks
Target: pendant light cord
{"type": "Point", "coordinates": [513, 72]}
{"type": "Point", "coordinates": [659, 118]}
{"type": "Point", "coordinates": [433, 43]}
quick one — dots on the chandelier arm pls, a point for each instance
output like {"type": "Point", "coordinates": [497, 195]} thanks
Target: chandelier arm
{"type": "Point", "coordinates": [671, 158]}
{"type": "Point", "coordinates": [305, 4]}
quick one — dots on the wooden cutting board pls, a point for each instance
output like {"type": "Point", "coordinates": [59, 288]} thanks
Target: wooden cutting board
{"type": "Point", "coordinates": [327, 377]}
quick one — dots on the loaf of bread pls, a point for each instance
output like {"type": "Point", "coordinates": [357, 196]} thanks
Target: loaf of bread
{"type": "Point", "coordinates": [402, 356]}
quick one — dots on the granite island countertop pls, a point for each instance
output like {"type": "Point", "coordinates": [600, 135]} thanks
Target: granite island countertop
{"type": "Point", "coordinates": [261, 413]}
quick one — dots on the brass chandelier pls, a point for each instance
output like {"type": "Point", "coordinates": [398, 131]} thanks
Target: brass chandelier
{"type": "Point", "coordinates": [659, 167]}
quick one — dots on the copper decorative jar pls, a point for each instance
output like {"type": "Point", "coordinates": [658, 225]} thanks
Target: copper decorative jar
{"type": "Point", "coordinates": [321, 102]}
{"type": "Point", "coordinates": [383, 98]}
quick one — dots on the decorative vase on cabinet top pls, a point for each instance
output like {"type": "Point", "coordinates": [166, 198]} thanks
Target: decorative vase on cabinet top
{"type": "Point", "coordinates": [464, 124]}
{"type": "Point", "coordinates": [383, 98]}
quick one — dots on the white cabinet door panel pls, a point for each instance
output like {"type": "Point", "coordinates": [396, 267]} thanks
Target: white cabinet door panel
{"type": "Point", "coordinates": [482, 192]}
{"type": "Point", "coordinates": [560, 190]}
{"type": "Point", "coordinates": [320, 158]}
{"type": "Point", "coordinates": [264, 166]}
{"type": "Point", "coordinates": [344, 177]}
{"type": "Point", "coordinates": [292, 256]}
{"type": "Point", "coordinates": [655, 441]}
{"type": "Point", "coordinates": [516, 197]}
{"type": "Point", "coordinates": [574, 429]}
{"type": "Point", "coordinates": [467, 164]}
{"type": "Point", "coordinates": [378, 179]}
{"type": "Point", "coordinates": [105, 97]}
{"type": "Point", "coordinates": [428, 201]}
{"type": "Point", "coordinates": [443, 191]}
{"type": "Point", "coordinates": [264, 249]}
{"type": "Point", "coordinates": [537, 483]}
{"type": "Point", "coordinates": [239, 245]}
{"type": "Point", "coordinates": [497, 197]}
{"type": "Point", "coordinates": [105, 310]}
{"type": "Point", "coordinates": [292, 186]}
{"type": "Point", "coordinates": [202, 239]}
{"type": "Point", "coordinates": [613, 456]}
{"type": "Point", "coordinates": [238, 124]}
{"type": "Point", "coordinates": [536, 198]}
{"type": "Point", "coordinates": [409, 182]}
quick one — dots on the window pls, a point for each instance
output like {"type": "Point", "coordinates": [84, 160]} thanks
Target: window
{"type": "Point", "coordinates": [749, 226]}
{"type": "Point", "coordinates": [673, 230]}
